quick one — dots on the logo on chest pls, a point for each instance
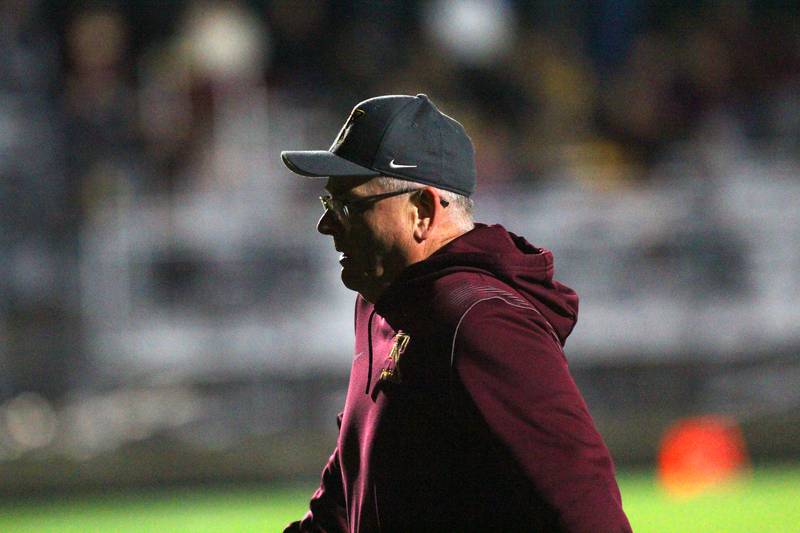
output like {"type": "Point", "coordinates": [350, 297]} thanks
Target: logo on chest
{"type": "Point", "coordinates": [391, 370]}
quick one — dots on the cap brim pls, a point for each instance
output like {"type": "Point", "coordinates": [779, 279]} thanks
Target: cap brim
{"type": "Point", "coordinates": [322, 163]}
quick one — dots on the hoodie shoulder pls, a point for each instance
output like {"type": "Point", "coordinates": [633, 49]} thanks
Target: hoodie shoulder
{"type": "Point", "coordinates": [456, 292]}
{"type": "Point", "coordinates": [452, 297]}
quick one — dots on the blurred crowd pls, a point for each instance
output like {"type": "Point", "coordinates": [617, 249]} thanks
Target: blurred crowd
{"type": "Point", "coordinates": [105, 101]}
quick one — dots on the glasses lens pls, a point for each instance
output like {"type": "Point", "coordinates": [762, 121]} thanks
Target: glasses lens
{"type": "Point", "coordinates": [333, 205]}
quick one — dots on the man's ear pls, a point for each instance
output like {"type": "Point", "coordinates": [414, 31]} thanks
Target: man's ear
{"type": "Point", "coordinates": [428, 213]}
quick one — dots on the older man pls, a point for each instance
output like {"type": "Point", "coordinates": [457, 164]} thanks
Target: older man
{"type": "Point", "coordinates": [461, 414]}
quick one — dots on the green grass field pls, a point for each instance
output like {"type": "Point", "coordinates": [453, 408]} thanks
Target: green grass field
{"type": "Point", "coordinates": [768, 503]}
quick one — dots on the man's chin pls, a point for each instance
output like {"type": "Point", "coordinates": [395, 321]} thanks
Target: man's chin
{"type": "Point", "coordinates": [353, 280]}
{"type": "Point", "coordinates": [358, 281]}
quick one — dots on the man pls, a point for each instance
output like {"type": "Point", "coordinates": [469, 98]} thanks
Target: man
{"type": "Point", "coordinates": [461, 414]}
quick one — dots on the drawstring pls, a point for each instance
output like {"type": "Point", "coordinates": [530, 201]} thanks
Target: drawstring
{"type": "Point", "coordinates": [369, 341]}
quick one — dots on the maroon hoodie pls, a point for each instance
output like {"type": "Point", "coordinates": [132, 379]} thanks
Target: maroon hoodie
{"type": "Point", "coordinates": [461, 414]}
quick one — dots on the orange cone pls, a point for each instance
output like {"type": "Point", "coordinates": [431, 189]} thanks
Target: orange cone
{"type": "Point", "coordinates": [701, 453]}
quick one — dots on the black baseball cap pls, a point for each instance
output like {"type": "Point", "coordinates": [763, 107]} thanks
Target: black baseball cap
{"type": "Point", "coordinates": [406, 137]}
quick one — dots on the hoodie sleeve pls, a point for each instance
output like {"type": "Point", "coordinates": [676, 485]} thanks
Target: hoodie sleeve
{"type": "Point", "coordinates": [327, 513]}
{"type": "Point", "coordinates": [517, 377]}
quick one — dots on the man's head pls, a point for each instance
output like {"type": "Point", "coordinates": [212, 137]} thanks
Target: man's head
{"type": "Point", "coordinates": [400, 174]}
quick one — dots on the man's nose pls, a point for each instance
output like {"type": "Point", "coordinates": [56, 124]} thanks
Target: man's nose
{"type": "Point", "coordinates": [328, 223]}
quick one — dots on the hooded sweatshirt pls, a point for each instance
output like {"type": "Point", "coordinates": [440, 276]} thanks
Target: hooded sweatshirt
{"type": "Point", "coordinates": [461, 414]}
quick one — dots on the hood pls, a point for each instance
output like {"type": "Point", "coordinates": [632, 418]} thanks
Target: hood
{"type": "Point", "coordinates": [495, 251]}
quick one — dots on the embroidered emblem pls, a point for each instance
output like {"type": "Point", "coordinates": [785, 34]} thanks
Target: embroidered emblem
{"type": "Point", "coordinates": [356, 114]}
{"type": "Point", "coordinates": [391, 372]}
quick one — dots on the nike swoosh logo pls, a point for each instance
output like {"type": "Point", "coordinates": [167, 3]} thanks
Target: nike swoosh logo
{"type": "Point", "coordinates": [392, 164]}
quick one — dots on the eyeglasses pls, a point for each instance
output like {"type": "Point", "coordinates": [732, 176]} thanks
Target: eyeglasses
{"type": "Point", "coordinates": [346, 208]}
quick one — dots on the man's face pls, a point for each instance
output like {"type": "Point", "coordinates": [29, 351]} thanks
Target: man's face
{"type": "Point", "coordinates": [375, 242]}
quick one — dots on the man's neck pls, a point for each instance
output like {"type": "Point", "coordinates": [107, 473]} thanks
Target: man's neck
{"type": "Point", "coordinates": [442, 240]}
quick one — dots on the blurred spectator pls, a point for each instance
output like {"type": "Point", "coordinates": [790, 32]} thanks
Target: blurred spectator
{"type": "Point", "coordinates": [99, 106]}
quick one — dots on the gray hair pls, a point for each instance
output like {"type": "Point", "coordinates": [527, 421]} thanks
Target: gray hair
{"type": "Point", "coordinates": [460, 206]}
